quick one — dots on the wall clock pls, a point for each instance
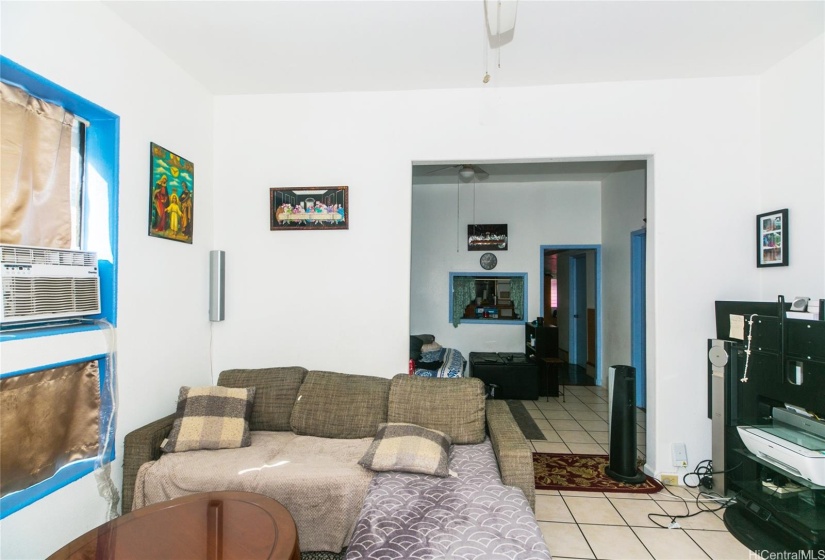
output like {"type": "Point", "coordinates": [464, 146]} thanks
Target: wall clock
{"type": "Point", "coordinates": [488, 261]}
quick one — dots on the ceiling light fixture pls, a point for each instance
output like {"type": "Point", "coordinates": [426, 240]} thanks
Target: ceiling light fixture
{"type": "Point", "coordinates": [466, 173]}
{"type": "Point", "coordinates": [500, 16]}
{"type": "Point", "coordinates": [499, 26]}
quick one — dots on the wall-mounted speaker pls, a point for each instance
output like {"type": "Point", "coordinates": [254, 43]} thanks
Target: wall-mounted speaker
{"type": "Point", "coordinates": [217, 264]}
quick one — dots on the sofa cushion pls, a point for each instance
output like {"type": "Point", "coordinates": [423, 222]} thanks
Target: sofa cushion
{"type": "Point", "coordinates": [469, 515]}
{"type": "Point", "coordinates": [275, 392]}
{"type": "Point", "coordinates": [211, 418]}
{"type": "Point", "coordinates": [338, 405]}
{"type": "Point", "coordinates": [454, 406]}
{"type": "Point", "coordinates": [408, 448]}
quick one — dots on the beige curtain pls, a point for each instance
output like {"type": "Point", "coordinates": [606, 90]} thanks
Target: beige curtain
{"type": "Point", "coordinates": [35, 171]}
{"type": "Point", "coordinates": [48, 419]}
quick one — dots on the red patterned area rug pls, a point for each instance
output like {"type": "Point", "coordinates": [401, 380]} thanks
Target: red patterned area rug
{"type": "Point", "coordinates": [565, 471]}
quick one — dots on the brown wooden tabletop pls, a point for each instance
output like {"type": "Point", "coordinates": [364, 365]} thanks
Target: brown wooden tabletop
{"type": "Point", "coordinates": [211, 525]}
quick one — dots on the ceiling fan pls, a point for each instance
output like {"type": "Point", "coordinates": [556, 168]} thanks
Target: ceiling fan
{"type": "Point", "coordinates": [466, 171]}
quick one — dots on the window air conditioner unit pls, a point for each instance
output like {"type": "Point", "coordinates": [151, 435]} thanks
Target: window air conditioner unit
{"type": "Point", "coordinates": [41, 283]}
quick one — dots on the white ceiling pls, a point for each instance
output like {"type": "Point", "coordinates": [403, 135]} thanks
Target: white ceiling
{"type": "Point", "coordinates": [254, 47]}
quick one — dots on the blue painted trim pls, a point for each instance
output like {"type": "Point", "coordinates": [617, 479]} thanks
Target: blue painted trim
{"type": "Point", "coordinates": [486, 274]}
{"type": "Point", "coordinates": [599, 311]}
{"type": "Point", "coordinates": [599, 306]}
{"type": "Point", "coordinates": [541, 286]}
{"type": "Point", "coordinates": [638, 320]}
{"type": "Point", "coordinates": [52, 366]}
{"type": "Point", "coordinates": [489, 321]}
{"type": "Point", "coordinates": [37, 330]}
{"type": "Point", "coordinates": [10, 503]}
{"type": "Point", "coordinates": [573, 296]}
{"type": "Point", "coordinates": [578, 294]}
{"type": "Point", "coordinates": [102, 157]}
{"type": "Point", "coordinates": [48, 90]}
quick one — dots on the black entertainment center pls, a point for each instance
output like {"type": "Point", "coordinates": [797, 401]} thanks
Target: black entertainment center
{"type": "Point", "coordinates": [766, 397]}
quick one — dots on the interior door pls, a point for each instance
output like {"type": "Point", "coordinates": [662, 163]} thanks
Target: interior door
{"type": "Point", "coordinates": [578, 310]}
{"type": "Point", "coordinates": [638, 349]}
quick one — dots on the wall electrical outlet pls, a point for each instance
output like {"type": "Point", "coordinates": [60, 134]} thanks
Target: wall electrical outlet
{"type": "Point", "coordinates": [679, 455]}
{"type": "Point", "coordinates": [670, 479]}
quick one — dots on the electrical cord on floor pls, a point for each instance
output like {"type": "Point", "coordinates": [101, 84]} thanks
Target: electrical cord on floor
{"type": "Point", "coordinates": [704, 471]}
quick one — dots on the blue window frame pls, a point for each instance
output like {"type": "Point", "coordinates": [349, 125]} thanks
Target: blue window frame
{"type": "Point", "coordinates": [518, 314]}
{"type": "Point", "coordinates": [100, 225]}
{"type": "Point", "coordinates": [101, 161]}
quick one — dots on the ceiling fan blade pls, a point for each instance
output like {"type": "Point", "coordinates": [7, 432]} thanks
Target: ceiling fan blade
{"type": "Point", "coordinates": [440, 169]}
{"type": "Point", "coordinates": [480, 173]}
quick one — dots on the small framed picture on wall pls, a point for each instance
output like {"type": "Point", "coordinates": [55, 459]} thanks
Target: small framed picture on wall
{"type": "Point", "coordinates": [171, 195]}
{"type": "Point", "coordinates": [486, 237]}
{"type": "Point", "coordinates": [772, 239]}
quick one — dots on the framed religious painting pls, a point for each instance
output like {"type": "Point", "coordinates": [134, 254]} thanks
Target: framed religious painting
{"type": "Point", "coordinates": [299, 208]}
{"type": "Point", "coordinates": [487, 237]}
{"type": "Point", "coordinates": [171, 195]}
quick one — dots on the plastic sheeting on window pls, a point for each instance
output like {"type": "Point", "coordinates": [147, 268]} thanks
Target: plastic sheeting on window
{"type": "Point", "coordinates": [48, 418]}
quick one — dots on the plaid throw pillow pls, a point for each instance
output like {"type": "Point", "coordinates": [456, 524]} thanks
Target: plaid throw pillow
{"type": "Point", "coordinates": [211, 418]}
{"type": "Point", "coordinates": [408, 448]}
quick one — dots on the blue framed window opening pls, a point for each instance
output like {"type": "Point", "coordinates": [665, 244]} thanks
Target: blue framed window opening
{"type": "Point", "coordinates": [98, 225]}
{"type": "Point", "coordinates": [492, 309]}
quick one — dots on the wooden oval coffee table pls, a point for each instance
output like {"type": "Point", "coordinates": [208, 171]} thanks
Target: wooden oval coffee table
{"type": "Point", "coordinates": [211, 525]}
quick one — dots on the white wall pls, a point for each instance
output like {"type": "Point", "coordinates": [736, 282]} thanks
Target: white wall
{"type": "Point", "coordinates": [163, 328]}
{"type": "Point", "coordinates": [340, 299]}
{"type": "Point", "coordinates": [793, 171]}
{"type": "Point", "coordinates": [536, 213]}
{"type": "Point", "coordinates": [623, 197]}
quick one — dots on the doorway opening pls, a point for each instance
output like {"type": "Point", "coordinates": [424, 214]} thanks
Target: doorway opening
{"type": "Point", "coordinates": [571, 300]}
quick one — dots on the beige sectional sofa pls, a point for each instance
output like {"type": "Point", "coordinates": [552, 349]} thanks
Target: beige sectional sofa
{"type": "Point", "coordinates": [308, 431]}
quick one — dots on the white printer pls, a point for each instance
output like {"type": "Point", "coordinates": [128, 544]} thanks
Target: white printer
{"type": "Point", "coordinates": [793, 443]}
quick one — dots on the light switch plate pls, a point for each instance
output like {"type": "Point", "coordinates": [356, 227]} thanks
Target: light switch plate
{"type": "Point", "coordinates": [679, 453]}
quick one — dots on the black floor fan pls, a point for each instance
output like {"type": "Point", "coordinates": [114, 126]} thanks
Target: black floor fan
{"type": "Point", "coordinates": [623, 465]}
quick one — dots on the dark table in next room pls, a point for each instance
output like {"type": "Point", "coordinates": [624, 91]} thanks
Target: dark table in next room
{"type": "Point", "coordinates": [516, 376]}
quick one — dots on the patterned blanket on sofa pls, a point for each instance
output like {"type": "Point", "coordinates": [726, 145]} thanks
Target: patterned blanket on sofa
{"type": "Point", "coordinates": [469, 515]}
{"type": "Point", "coordinates": [449, 363]}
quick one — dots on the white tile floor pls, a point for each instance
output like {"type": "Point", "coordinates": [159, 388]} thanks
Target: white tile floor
{"type": "Point", "coordinates": [600, 525]}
